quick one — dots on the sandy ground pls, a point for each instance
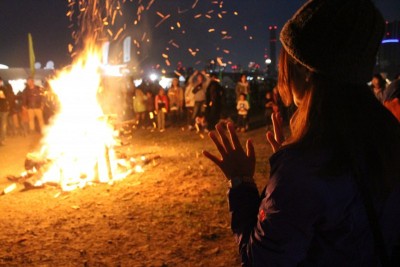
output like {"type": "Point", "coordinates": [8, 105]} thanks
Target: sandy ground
{"type": "Point", "coordinates": [173, 214]}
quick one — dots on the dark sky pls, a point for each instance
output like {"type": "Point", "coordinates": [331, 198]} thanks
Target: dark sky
{"type": "Point", "coordinates": [47, 22]}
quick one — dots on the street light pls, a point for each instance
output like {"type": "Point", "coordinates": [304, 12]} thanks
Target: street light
{"type": "Point", "coordinates": [153, 77]}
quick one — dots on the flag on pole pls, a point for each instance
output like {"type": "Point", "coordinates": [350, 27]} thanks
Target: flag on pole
{"type": "Point", "coordinates": [31, 55]}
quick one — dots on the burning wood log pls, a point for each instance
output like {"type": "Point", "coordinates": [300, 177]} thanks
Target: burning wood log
{"type": "Point", "coordinates": [28, 185]}
{"type": "Point", "coordinates": [34, 161]}
{"type": "Point", "coordinates": [32, 178]}
{"type": "Point", "coordinates": [20, 178]}
{"type": "Point", "coordinates": [108, 163]}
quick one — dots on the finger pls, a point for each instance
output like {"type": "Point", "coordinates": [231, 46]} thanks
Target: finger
{"type": "Point", "coordinates": [250, 150]}
{"type": "Point", "coordinates": [274, 123]}
{"type": "Point", "coordinates": [277, 127]}
{"type": "Point", "coordinates": [225, 140]}
{"type": "Point", "coordinates": [217, 143]}
{"type": "Point", "coordinates": [271, 140]}
{"type": "Point", "coordinates": [279, 119]}
{"type": "Point", "coordinates": [233, 136]}
{"type": "Point", "coordinates": [275, 145]}
{"type": "Point", "coordinates": [213, 158]}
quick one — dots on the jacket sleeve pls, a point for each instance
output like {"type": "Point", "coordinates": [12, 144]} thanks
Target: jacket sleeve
{"type": "Point", "coordinates": [24, 97]}
{"type": "Point", "coordinates": [188, 91]}
{"type": "Point", "coordinates": [180, 98]}
{"type": "Point", "coordinates": [243, 205]}
{"type": "Point", "coordinates": [134, 101]}
{"type": "Point", "coordinates": [277, 230]}
{"type": "Point", "coordinates": [238, 91]}
{"type": "Point", "coordinates": [156, 102]}
{"type": "Point", "coordinates": [191, 78]}
{"type": "Point", "coordinates": [206, 83]}
{"type": "Point", "coordinates": [166, 102]}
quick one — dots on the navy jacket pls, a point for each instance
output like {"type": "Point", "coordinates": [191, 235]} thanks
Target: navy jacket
{"type": "Point", "coordinates": [307, 218]}
{"type": "Point", "coordinates": [32, 98]}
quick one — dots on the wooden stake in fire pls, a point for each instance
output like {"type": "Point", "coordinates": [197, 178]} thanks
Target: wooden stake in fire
{"type": "Point", "coordinates": [8, 189]}
{"type": "Point", "coordinates": [108, 163]}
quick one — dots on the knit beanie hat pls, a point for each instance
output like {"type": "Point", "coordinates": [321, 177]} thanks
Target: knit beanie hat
{"type": "Point", "coordinates": [336, 38]}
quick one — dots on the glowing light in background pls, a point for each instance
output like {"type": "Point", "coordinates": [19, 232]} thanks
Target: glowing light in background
{"type": "Point", "coordinates": [153, 77]}
{"type": "Point", "coordinates": [387, 41]}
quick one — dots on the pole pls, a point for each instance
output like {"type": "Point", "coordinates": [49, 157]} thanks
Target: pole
{"type": "Point", "coordinates": [31, 55]}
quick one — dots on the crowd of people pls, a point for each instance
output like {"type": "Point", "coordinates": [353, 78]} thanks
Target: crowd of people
{"type": "Point", "coordinates": [197, 105]}
{"type": "Point", "coordinates": [25, 112]}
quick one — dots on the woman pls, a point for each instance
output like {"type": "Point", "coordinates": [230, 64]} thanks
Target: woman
{"type": "Point", "coordinates": [161, 108]}
{"type": "Point", "coordinates": [175, 97]}
{"type": "Point", "coordinates": [197, 84]}
{"type": "Point", "coordinates": [242, 87]}
{"type": "Point", "coordinates": [333, 193]}
{"type": "Point", "coordinates": [139, 107]}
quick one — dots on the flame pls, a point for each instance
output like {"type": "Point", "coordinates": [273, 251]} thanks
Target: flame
{"type": "Point", "coordinates": [78, 147]}
{"type": "Point", "coordinates": [79, 143]}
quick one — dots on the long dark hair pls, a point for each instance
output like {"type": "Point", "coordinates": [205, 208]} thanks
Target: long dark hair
{"type": "Point", "coordinates": [346, 118]}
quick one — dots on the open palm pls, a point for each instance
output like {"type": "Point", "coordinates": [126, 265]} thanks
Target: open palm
{"type": "Point", "coordinates": [234, 161]}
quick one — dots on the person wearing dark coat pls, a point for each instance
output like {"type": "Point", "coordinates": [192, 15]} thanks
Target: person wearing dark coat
{"type": "Point", "coordinates": [214, 95]}
{"type": "Point", "coordinates": [5, 105]}
{"type": "Point", "coordinates": [32, 101]}
{"type": "Point", "coordinates": [333, 194]}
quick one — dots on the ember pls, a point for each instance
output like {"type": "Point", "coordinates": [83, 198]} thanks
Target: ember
{"type": "Point", "coordinates": [79, 147]}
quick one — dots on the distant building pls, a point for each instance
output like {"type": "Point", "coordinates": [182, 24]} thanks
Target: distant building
{"type": "Point", "coordinates": [272, 65]}
{"type": "Point", "coordinates": [388, 60]}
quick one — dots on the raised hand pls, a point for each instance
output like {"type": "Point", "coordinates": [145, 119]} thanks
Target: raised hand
{"type": "Point", "coordinates": [234, 161]}
{"type": "Point", "coordinates": [276, 138]}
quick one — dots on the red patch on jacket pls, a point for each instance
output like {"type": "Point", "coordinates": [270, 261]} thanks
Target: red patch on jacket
{"type": "Point", "coordinates": [261, 215]}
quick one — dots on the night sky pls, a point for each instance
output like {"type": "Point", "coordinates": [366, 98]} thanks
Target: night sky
{"type": "Point", "coordinates": [247, 30]}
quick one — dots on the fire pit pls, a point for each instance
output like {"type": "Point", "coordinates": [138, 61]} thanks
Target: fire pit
{"type": "Point", "coordinates": [82, 145]}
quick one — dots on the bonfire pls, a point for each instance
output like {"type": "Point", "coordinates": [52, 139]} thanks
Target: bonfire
{"type": "Point", "coordinates": [78, 148]}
